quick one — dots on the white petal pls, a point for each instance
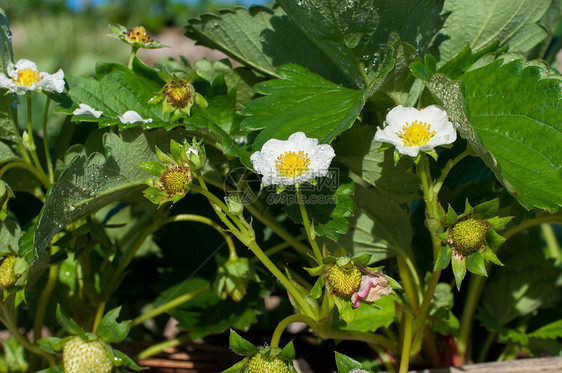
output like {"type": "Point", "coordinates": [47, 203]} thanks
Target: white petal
{"type": "Point", "coordinates": [132, 116]}
{"type": "Point", "coordinates": [6, 82]}
{"type": "Point", "coordinates": [84, 109]}
{"type": "Point", "coordinates": [52, 82]}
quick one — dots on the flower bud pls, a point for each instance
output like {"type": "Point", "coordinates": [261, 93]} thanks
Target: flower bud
{"type": "Point", "coordinates": [234, 205]}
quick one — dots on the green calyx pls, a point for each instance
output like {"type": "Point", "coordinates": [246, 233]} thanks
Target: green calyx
{"type": "Point", "coordinates": [468, 236]}
{"type": "Point", "coordinates": [262, 363]}
{"type": "Point", "coordinates": [343, 280]}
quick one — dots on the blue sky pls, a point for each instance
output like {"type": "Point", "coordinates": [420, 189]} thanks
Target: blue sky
{"type": "Point", "coordinates": [75, 4]}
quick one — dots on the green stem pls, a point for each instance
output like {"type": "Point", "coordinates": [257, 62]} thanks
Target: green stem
{"type": "Point", "coordinates": [427, 300]}
{"type": "Point", "coordinates": [385, 357]}
{"type": "Point", "coordinates": [99, 315]}
{"type": "Point", "coordinates": [302, 305]}
{"type": "Point", "coordinates": [169, 305]}
{"type": "Point", "coordinates": [486, 347]}
{"type": "Point", "coordinates": [28, 167]}
{"type": "Point", "coordinates": [17, 131]}
{"type": "Point", "coordinates": [406, 343]}
{"type": "Point", "coordinates": [308, 227]}
{"type": "Point", "coordinates": [220, 209]}
{"type": "Point", "coordinates": [132, 57]}
{"type": "Point", "coordinates": [159, 347]}
{"type": "Point", "coordinates": [279, 230]}
{"type": "Point", "coordinates": [32, 148]}
{"type": "Point", "coordinates": [8, 321]}
{"type": "Point", "coordinates": [280, 247]}
{"type": "Point", "coordinates": [552, 219]}
{"type": "Point", "coordinates": [475, 288]}
{"type": "Point", "coordinates": [405, 275]}
{"type": "Point", "coordinates": [551, 242]}
{"type": "Point", "coordinates": [46, 142]}
{"type": "Point", "coordinates": [360, 336]}
{"type": "Point", "coordinates": [450, 164]}
{"type": "Point", "coordinates": [45, 297]}
{"type": "Point", "coordinates": [204, 220]}
{"type": "Point", "coordinates": [276, 337]}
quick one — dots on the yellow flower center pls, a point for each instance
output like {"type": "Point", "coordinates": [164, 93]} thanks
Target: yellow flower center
{"type": "Point", "coordinates": [179, 93]}
{"type": "Point", "coordinates": [174, 180]}
{"type": "Point", "coordinates": [138, 34]}
{"type": "Point", "coordinates": [416, 133]}
{"type": "Point", "coordinates": [291, 164]}
{"type": "Point", "coordinates": [27, 77]}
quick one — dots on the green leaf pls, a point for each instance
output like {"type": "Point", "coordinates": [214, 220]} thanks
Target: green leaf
{"type": "Point", "coordinates": [69, 325]}
{"type": "Point", "coordinates": [346, 364]}
{"type": "Point", "coordinates": [516, 111]}
{"type": "Point", "coordinates": [10, 234]}
{"type": "Point", "coordinates": [459, 270]}
{"type": "Point", "coordinates": [357, 34]}
{"type": "Point", "coordinates": [122, 360]}
{"type": "Point", "coordinates": [475, 264]}
{"type": "Point", "coordinates": [115, 90]}
{"type": "Point", "coordinates": [301, 101]}
{"type": "Point", "coordinates": [507, 21]}
{"type": "Point", "coordinates": [528, 281]}
{"type": "Point", "coordinates": [93, 182]}
{"type": "Point", "coordinates": [549, 331]}
{"type": "Point", "coordinates": [489, 255]}
{"type": "Point", "coordinates": [379, 227]}
{"type": "Point", "coordinates": [466, 59]}
{"type": "Point", "coordinates": [8, 102]}
{"type": "Point", "coordinates": [240, 345]}
{"type": "Point", "coordinates": [239, 367]}
{"type": "Point", "coordinates": [153, 168]}
{"type": "Point", "coordinates": [261, 38]}
{"type": "Point", "coordinates": [208, 314]}
{"type": "Point", "coordinates": [512, 121]}
{"type": "Point", "coordinates": [288, 352]}
{"type": "Point", "coordinates": [111, 331]}
{"type": "Point", "coordinates": [443, 258]}
{"type": "Point", "coordinates": [370, 317]}
{"type": "Point", "coordinates": [51, 344]}
{"type": "Point", "coordinates": [358, 150]}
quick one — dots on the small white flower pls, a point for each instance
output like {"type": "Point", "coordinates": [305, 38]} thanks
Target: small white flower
{"type": "Point", "coordinates": [296, 160]}
{"type": "Point", "coordinates": [84, 109]}
{"type": "Point", "coordinates": [24, 76]}
{"type": "Point", "coordinates": [132, 116]}
{"type": "Point", "coordinates": [411, 130]}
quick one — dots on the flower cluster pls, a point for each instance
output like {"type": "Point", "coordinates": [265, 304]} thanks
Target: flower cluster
{"type": "Point", "coordinates": [471, 239]}
{"type": "Point", "coordinates": [24, 76]}
{"type": "Point", "coordinates": [173, 173]}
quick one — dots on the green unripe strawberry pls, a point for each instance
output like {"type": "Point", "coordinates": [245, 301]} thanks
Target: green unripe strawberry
{"type": "Point", "coordinates": [79, 356]}
{"type": "Point", "coordinates": [262, 364]}
{"type": "Point", "coordinates": [344, 280]}
{"type": "Point", "coordinates": [7, 276]}
{"type": "Point", "coordinates": [468, 236]}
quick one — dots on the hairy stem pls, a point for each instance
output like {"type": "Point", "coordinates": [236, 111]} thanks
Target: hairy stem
{"type": "Point", "coordinates": [169, 305]}
{"type": "Point", "coordinates": [276, 337]}
{"type": "Point", "coordinates": [159, 347]}
{"type": "Point", "coordinates": [46, 142]}
{"type": "Point", "coordinates": [308, 227]}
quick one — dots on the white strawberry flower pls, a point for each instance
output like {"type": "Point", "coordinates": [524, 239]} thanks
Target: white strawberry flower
{"type": "Point", "coordinates": [411, 130]}
{"type": "Point", "coordinates": [132, 116]}
{"type": "Point", "coordinates": [296, 160]}
{"type": "Point", "coordinates": [24, 76]}
{"type": "Point", "coordinates": [84, 109]}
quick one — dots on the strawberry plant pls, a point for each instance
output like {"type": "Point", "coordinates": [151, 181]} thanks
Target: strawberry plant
{"type": "Point", "coordinates": [324, 168]}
